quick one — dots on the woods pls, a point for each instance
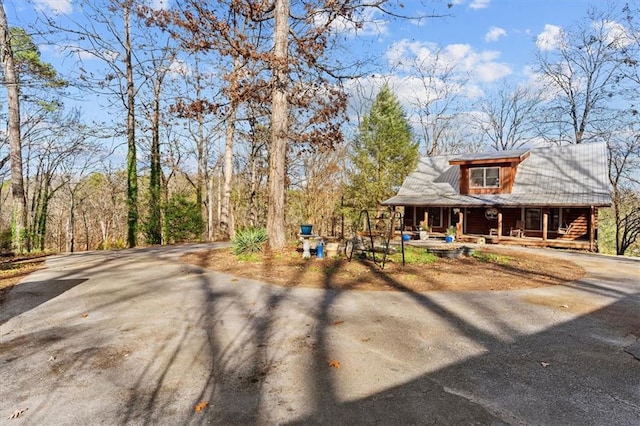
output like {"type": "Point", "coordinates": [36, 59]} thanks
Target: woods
{"type": "Point", "coordinates": [211, 117]}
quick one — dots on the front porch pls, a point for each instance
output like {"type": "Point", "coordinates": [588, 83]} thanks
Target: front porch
{"type": "Point", "coordinates": [578, 244]}
{"type": "Point", "coordinates": [570, 228]}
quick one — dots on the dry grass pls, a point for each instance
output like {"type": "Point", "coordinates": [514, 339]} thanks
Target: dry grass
{"type": "Point", "coordinates": [489, 269]}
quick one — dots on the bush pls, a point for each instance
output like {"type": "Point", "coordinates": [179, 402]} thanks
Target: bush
{"type": "Point", "coordinates": [250, 240]}
{"type": "Point", "coordinates": [5, 240]}
{"type": "Point", "coordinates": [182, 221]}
{"type": "Point", "coordinates": [414, 256]}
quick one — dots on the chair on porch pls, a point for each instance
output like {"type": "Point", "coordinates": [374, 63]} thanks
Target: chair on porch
{"type": "Point", "coordinates": [518, 230]}
{"type": "Point", "coordinates": [565, 229]}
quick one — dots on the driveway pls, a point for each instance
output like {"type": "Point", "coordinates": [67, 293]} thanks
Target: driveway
{"type": "Point", "coordinates": [136, 337]}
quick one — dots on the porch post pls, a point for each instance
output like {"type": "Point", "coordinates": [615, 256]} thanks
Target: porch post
{"type": "Point", "coordinates": [459, 227]}
{"type": "Point", "coordinates": [592, 229]}
{"type": "Point", "coordinates": [545, 225]}
{"type": "Point", "coordinates": [499, 225]}
{"type": "Point", "coordinates": [426, 220]}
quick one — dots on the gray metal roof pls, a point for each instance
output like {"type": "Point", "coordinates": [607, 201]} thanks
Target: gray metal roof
{"type": "Point", "coordinates": [570, 175]}
{"type": "Point", "coordinates": [493, 155]}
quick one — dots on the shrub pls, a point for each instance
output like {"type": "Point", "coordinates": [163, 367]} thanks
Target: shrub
{"type": "Point", "coordinates": [492, 258]}
{"type": "Point", "coordinates": [5, 240]}
{"type": "Point", "coordinates": [249, 240]}
{"type": "Point", "coordinates": [182, 221]}
{"type": "Point", "coordinates": [414, 256]}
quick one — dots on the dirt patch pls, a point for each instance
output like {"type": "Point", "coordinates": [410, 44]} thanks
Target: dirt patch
{"type": "Point", "coordinates": [489, 269]}
{"type": "Point", "coordinates": [15, 268]}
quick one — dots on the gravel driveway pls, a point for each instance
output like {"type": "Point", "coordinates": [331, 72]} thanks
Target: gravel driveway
{"type": "Point", "coordinates": [137, 337]}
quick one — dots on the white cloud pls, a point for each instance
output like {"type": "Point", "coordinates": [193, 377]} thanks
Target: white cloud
{"type": "Point", "coordinates": [475, 4]}
{"type": "Point", "coordinates": [82, 54]}
{"type": "Point", "coordinates": [179, 68]}
{"type": "Point", "coordinates": [616, 34]}
{"type": "Point", "coordinates": [492, 71]}
{"type": "Point", "coordinates": [56, 6]}
{"type": "Point", "coordinates": [452, 60]}
{"type": "Point", "coordinates": [549, 38]}
{"type": "Point", "coordinates": [159, 4]}
{"type": "Point", "coordinates": [371, 25]}
{"type": "Point", "coordinates": [479, 4]}
{"type": "Point", "coordinates": [494, 34]}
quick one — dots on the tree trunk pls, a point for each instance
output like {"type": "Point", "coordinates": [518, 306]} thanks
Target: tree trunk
{"type": "Point", "coordinates": [86, 230]}
{"type": "Point", "coordinates": [279, 128]}
{"type": "Point", "coordinates": [253, 180]}
{"type": "Point", "coordinates": [72, 224]}
{"type": "Point", "coordinates": [226, 232]}
{"type": "Point", "coordinates": [132, 168]}
{"type": "Point", "coordinates": [19, 212]}
{"type": "Point", "coordinates": [154, 230]}
{"type": "Point", "coordinates": [201, 149]}
{"type": "Point", "coordinates": [210, 197]}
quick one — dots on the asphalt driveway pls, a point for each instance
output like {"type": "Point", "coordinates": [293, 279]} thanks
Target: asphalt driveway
{"type": "Point", "coordinates": [136, 337]}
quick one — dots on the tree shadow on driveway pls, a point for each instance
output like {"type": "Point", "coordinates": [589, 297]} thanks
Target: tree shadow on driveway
{"type": "Point", "coordinates": [24, 297]}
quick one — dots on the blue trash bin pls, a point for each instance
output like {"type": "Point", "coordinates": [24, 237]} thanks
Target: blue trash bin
{"type": "Point", "coordinates": [320, 249]}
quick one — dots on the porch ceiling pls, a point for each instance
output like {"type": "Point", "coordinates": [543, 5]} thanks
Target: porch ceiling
{"type": "Point", "coordinates": [502, 200]}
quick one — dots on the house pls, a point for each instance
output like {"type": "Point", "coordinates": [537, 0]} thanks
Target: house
{"type": "Point", "coordinates": [540, 196]}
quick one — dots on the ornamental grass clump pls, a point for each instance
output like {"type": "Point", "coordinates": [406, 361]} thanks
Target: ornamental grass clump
{"type": "Point", "coordinates": [250, 240]}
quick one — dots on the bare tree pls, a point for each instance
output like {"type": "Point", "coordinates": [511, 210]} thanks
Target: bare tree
{"type": "Point", "coordinates": [507, 120]}
{"type": "Point", "coordinates": [581, 72]}
{"type": "Point", "coordinates": [436, 103]}
{"type": "Point", "coordinates": [624, 163]}
{"type": "Point", "coordinates": [109, 33]}
{"type": "Point", "coordinates": [19, 209]}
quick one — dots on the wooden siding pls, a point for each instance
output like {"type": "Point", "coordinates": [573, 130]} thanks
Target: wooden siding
{"type": "Point", "coordinates": [507, 178]}
{"type": "Point", "coordinates": [477, 223]}
{"type": "Point", "coordinates": [578, 219]}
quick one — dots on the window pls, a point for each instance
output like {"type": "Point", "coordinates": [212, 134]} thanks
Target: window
{"type": "Point", "coordinates": [484, 177]}
{"type": "Point", "coordinates": [435, 217]}
{"type": "Point", "coordinates": [532, 219]}
{"type": "Point", "coordinates": [454, 216]}
{"type": "Point", "coordinates": [554, 219]}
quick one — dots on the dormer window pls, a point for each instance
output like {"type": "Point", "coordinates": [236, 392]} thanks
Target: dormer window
{"type": "Point", "coordinates": [484, 177]}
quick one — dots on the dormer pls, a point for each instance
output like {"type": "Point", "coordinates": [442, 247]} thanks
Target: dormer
{"type": "Point", "coordinates": [488, 173]}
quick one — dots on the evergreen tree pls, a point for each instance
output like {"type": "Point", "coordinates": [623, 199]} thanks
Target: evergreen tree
{"type": "Point", "coordinates": [384, 153]}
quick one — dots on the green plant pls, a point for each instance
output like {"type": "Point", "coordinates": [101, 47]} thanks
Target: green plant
{"type": "Point", "coordinates": [414, 256]}
{"type": "Point", "coordinates": [250, 240]}
{"type": "Point", "coordinates": [182, 221]}
{"type": "Point", "coordinates": [492, 258]}
{"type": "Point", "coordinates": [451, 231]}
{"type": "Point", "coordinates": [5, 240]}
{"type": "Point", "coordinates": [249, 257]}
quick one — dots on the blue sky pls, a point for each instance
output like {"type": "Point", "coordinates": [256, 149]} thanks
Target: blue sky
{"type": "Point", "coordinates": [486, 40]}
{"type": "Point", "coordinates": [506, 30]}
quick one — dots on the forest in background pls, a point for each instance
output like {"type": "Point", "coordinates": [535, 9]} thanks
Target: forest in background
{"type": "Point", "coordinates": [237, 114]}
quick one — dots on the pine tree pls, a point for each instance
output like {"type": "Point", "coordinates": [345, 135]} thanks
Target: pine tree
{"type": "Point", "coordinates": [384, 152]}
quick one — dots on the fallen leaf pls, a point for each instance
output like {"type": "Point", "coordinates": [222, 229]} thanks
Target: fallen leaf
{"type": "Point", "coordinates": [544, 364]}
{"type": "Point", "coordinates": [338, 322]}
{"type": "Point", "coordinates": [234, 280]}
{"type": "Point", "coordinates": [84, 315]}
{"type": "Point", "coordinates": [335, 364]}
{"type": "Point", "coordinates": [17, 413]}
{"type": "Point", "coordinates": [564, 306]}
{"type": "Point", "coordinates": [201, 406]}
